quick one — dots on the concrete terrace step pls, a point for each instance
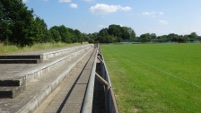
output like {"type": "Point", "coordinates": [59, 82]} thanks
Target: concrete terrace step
{"type": "Point", "coordinates": [55, 53]}
{"type": "Point", "coordinates": [75, 101]}
{"type": "Point", "coordinates": [38, 89]}
{"type": "Point", "coordinates": [31, 57]}
{"type": "Point", "coordinates": [69, 95]}
{"type": "Point", "coordinates": [20, 56]}
{"type": "Point", "coordinates": [10, 92]}
{"type": "Point", "coordinates": [19, 77]}
{"type": "Point", "coordinates": [20, 59]}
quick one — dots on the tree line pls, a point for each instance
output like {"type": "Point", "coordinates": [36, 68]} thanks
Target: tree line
{"type": "Point", "coordinates": [20, 26]}
{"type": "Point", "coordinates": [172, 37]}
{"type": "Point", "coordinates": [116, 33]}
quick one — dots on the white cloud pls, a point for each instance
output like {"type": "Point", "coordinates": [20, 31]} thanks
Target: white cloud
{"type": "Point", "coordinates": [152, 14]}
{"type": "Point", "coordinates": [65, 1]}
{"type": "Point", "coordinates": [106, 9]}
{"type": "Point", "coordinates": [72, 5]}
{"type": "Point", "coordinates": [148, 13]}
{"type": "Point", "coordinates": [164, 22]}
{"type": "Point", "coordinates": [101, 26]}
{"type": "Point", "coordinates": [125, 8]}
{"type": "Point", "coordinates": [161, 13]}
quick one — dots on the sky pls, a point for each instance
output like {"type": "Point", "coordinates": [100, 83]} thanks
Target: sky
{"type": "Point", "coordinates": [143, 16]}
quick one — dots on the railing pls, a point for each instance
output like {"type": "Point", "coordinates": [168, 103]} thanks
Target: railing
{"type": "Point", "coordinates": [111, 104]}
{"type": "Point", "coordinates": [88, 100]}
{"type": "Point", "coordinates": [110, 100]}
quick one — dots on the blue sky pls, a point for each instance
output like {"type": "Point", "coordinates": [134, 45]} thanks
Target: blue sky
{"type": "Point", "coordinates": [144, 16]}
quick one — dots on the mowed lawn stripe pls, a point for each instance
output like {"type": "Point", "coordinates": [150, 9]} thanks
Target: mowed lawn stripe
{"type": "Point", "coordinates": [146, 78]}
{"type": "Point", "coordinates": [161, 70]}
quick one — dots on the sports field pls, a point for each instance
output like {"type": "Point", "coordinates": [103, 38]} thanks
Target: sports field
{"type": "Point", "coordinates": [155, 78]}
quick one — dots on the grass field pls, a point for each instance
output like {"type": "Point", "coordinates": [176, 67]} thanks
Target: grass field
{"type": "Point", "coordinates": [155, 78]}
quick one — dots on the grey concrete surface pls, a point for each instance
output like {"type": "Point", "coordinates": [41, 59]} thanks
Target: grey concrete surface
{"type": "Point", "coordinates": [70, 97]}
{"type": "Point", "coordinates": [40, 85]}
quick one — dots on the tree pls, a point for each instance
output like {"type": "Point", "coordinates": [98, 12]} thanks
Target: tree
{"type": "Point", "coordinates": [162, 38]}
{"type": "Point", "coordinates": [128, 33]}
{"type": "Point", "coordinates": [55, 34]}
{"type": "Point", "coordinates": [125, 33]}
{"type": "Point", "coordinates": [85, 37]}
{"type": "Point", "coordinates": [145, 37]}
{"type": "Point", "coordinates": [199, 38]}
{"type": "Point", "coordinates": [193, 36]}
{"type": "Point", "coordinates": [173, 37]}
{"type": "Point", "coordinates": [103, 32]}
{"type": "Point", "coordinates": [93, 37]}
{"type": "Point", "coordinates": [72, 35]}
{"type": "Point", "coordinates": [17, 23]}
{"type": "Point", "coordinates": [186, 38]}
{"type": "Point", "coordinates": [115, 30]}
{"type": "Point", "coordinates": [41, 31]}
{"type": "Point", "coordinates": [78, 36]}
{"type": "Point", "coordinates": [64, 33]}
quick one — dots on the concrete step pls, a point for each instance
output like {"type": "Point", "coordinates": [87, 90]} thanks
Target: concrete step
{"type": "Point", "coordinates": [10, 92]}
{"type": "Point", "coordinates": [20, 61]}
{"type": "Point", "coordinates": [20, 56]}
{"type": "Point", "coordinates": [55, 53]}
{"type": "Point", "coordinates": [11, 88]}
{"type": "Point", "coordinates": [69, 98]}
{"type": "Point", "coordinates": [20, 80]}
{"type": "Point", "coordinates": [38, 89]}
{"type": "Point", "coordinates": [10, 83]}
{"type": "Point", "coordinates": [56, 101]}
{"type": "Point", "coordinates": [31, 58]}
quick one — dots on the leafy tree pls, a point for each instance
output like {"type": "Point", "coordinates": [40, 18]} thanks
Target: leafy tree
{"type": "Point", "coordinates": [193, 36]}
{"type": "Point", "coordinates": [78, 36]}
{"type": "Point", "coordinates": [93, 37]}
{"type": "Point", "coordinates": [199, 38]}
{"type": "Point", "coordinates": [73, 37]}
{"type": "Point", "coordinates": [131, 32]}
{"type": "Point", "coordinates": [163, 38]}
{"type": "Point", "coordinates": [64, 33]}
{"type": "Point", "coordinates": [173, 37]}
{"type": "Point", "coordinates": [115, 30]}
{"type": "Point", "coordinates": [128, 33]}
{"type": "Point", "coordinates": [145, 37]}
{"type": "Point", "coordinates": [85, 37]}
{"type": "Point", "coordinates": [153, 36]}
{"type": "Point", "coordinates": [16, 22]}
{"type": "Point", "coordinates": [103, 32]}
{"type": "Point", "coordinates": [186, 38]}
{"type": "Point", "coordinates": [41, 31]}
{"type": "Point", "coordinates": [124, 33]}
{"type": "Point", "coordinates": [55, 34]}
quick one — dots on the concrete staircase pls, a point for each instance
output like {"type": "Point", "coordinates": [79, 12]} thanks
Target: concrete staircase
{"type": "Point", "coordinates": [34, 76]}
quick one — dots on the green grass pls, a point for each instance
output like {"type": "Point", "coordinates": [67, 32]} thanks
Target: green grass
{"type": "Point", "coordinates": [8, 49]}
{"type": "Point", "coordinates": [155, 78]}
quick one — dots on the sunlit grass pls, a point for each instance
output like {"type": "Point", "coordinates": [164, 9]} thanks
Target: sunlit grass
{"type": "Point", "coordinates": [8, 49]}
{"type": "Point", "coordinates": [155, 78]}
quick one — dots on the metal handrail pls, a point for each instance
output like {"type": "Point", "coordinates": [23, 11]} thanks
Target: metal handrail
{"type": "Point", "coordinates": [111, 104]}
{"type": "Point", "coordinates": [88, 100]}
